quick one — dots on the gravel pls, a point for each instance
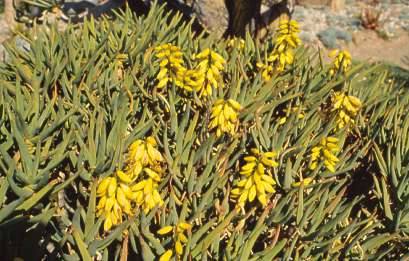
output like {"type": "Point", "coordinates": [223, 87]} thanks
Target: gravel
{"type": "Point", "coordinates": [323, 24]}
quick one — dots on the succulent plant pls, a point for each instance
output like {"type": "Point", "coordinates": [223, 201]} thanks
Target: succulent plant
{"type": "Point", "coordinates": [103, 159]}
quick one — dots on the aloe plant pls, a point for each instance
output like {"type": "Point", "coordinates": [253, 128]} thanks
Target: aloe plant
{"type": "Point", "coordinates": [76, 107]}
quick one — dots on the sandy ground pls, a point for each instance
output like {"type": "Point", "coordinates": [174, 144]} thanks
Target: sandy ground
{"type": "Point", "coordinates": [367, 45]}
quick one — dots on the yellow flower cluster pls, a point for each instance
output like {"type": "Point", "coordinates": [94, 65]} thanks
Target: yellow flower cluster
{"type": "Point", "coordinates": [257, 181]}
{"type": "Point", "coordinates": [342, 60]}
{"type": "Point", "coordinates": [179, 239]}
{"type": "Point", "coordinates": [203, 78]}
{"type": "Point", "coordinates": [325, 151]}
{"type": "Point", "coordinates": [224, 116]}
{"type": "Point", "coordinates": [170, 64]}
{"type": "Point", "coordinates": [143, 155]}
{"type": "Point", "coordinates": [119, 194]}
{"type": "Point", "coordinates": [208, 72]}
{"type": "Point", "coordinates": [283, 52]}
{"type": "Point", "coordinates": [115, 199]}
{"type": "Point", "coordinates": [347, 107]}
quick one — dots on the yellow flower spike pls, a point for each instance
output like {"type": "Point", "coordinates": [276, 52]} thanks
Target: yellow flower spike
{"type": "Point", "coordinates": [208, 72]}
{"type": "Point", "coordinates": [324, 151]}
{"type": "Point", "coordinates": [256, 183]}
{"type": "Point", "coordinates": [166, 256]}
{"type": "Point", "coordinates": [224, 117]}
{"type": "Point", "coordinates": [165, 230]}
{"type": "Point", "coordinates": [170, 64]}
{"type": "Point", "coordinates": [346, 107]}
{"type": "Point", "coordinates": [339, 57]}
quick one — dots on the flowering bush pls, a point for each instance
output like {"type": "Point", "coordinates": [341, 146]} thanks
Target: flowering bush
{"type": "Point", "coordinates": [137, 138]}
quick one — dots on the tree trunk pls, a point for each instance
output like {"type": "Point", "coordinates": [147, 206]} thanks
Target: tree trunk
{"type": "Point", "coordinates": [9, 13]}
{"type": "Point", "coordinates": [240, 14]}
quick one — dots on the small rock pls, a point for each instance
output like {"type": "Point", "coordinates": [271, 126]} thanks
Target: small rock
{"type": "Point", "coordinates": [405, 27]}
{"type": "Point", "coordinates": [306, 36]}
{"type": "Point", "coordinates": [299, 13]}
{"type": "Point", "coordinates": [3, 53]}
{"type": "Point", "coordinates": [330, 36]}
{"type": "Point", "coordinates": [22, 43]}
{"type": "Point", "coordinates": [212, 14]}
{"type": "Point", "coordinates": [404, 15]}
{"type": "Point", "coordinates": [355, 23]}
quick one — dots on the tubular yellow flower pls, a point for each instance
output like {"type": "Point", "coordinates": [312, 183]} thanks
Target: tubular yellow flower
{"type": "Point", "coordinates": [325, 152]}
{"type": "Point", "coordinates": [224, 116]}
{"type": "Point", "coordinates": [207, 73]}
{"type": "Point", "coordinates": [170, 63]}
{"type": "Point", "coordinates": [341, 61]}
{"type": "Point", "coordinates": [346, 108]}
{"type": "Point", "coordinates": [166, 256]}
{"type": "Point", "coordinates": [179, 238]}
{"type": "Point", "coordinates": [257, 180]}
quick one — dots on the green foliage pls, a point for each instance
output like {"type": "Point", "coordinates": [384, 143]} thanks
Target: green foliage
{"type": "Point", "coordinates": [69, 111]}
